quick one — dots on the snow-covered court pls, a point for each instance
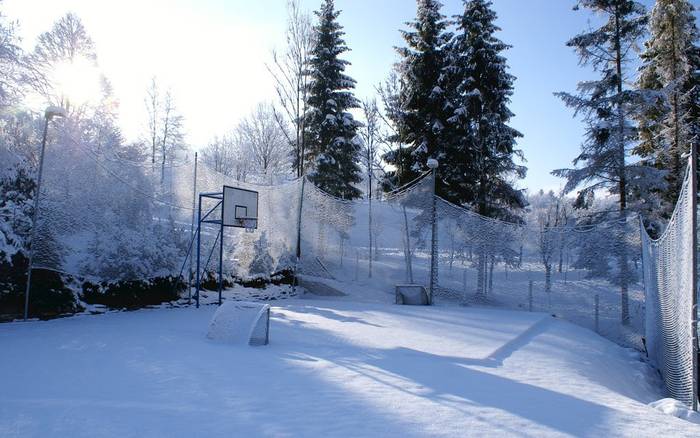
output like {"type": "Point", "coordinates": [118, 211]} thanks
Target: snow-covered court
{"type": "Point", "coordinates": [333, 368]}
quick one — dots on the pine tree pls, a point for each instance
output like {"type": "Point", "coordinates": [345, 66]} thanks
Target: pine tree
{"type": "Point", "coordinates": [332, 149]}
{"type": "Point", "coordinates": [479, 168]}
{"type": "Point", "coordinates": [422, 99]}
{"type": "Point", "coordinates": [667, 78]}
{"type": "Point", "coordinates": [606, 105]}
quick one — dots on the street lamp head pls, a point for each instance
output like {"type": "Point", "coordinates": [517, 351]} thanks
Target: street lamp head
{"type": "Point", "coordinates": [432, 163]}
{"type": "Point", "coordinates": [54, 111]}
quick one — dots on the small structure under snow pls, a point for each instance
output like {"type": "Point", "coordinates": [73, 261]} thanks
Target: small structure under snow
{"type": "Point", "coordinates": [241, 322]}
{"type": "Point", "coordinates": [412, 294]}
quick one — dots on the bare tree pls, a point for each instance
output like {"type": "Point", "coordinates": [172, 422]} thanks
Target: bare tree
{"type": "Point", "coordinates": [369, 133]}
{"type": "Point", "coordinates": [11, 65]}
{"type": "Point", "coordinates": [152, 102]}
{"type": "Point", "coordinates": [262, 136]}
{"type": "Point", "coordinates": [551, 220]}
{"type": "Point", "coordinates": [67, 41]}
{"type": "Point", "coordinates": [172, 134]}
{"type": "Point", "coordinates": [371, 137]}
{"type": "Point", "coordinates": [290, 73]}
{"type": "Point", "coordinates": [219, 155]}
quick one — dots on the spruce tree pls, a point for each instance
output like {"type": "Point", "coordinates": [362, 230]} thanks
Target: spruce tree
{"type": "Point", "coordinates": [606, 105]}
{"type": "Point", "coordinates": [332, 149]}
{"type": "Point", "coordinates": [480, 165]}
{"type": "Point", "coordinates": [422, 98]}
{"type": "Point", "coordinates": [667, 79]}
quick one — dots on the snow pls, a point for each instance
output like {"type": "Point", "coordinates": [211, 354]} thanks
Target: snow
{"type": "Point", "coordinates": [677, 409]}
{"type": "Point", "coordinates": [333, 368]}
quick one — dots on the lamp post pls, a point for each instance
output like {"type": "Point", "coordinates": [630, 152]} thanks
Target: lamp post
{"type": "Point", "coordinates": [51, 112]}
{"type": "Point", "coordinates": [433, 165]}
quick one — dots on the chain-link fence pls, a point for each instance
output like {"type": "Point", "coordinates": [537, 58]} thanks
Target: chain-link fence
{"type": "Point", "coordinates": [669, 270]}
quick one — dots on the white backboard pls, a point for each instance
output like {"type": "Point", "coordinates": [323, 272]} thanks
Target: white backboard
{"type": "Point", "coordinates": [240, 204]}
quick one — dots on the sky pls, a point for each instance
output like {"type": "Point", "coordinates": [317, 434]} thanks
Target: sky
{"type": "Point", "coordinates": [212, 55]}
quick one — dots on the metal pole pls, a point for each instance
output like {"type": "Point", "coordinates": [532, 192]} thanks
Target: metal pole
{"type": "Point", "coordinates": [369, 228]}
{"type": "Point", "coordinates": [35, 214]}
{"type": "Point", "coordinates": [434, 241]}
{"type": "Point", "coordinates": [221, 255]}
{"type": "Point", "coordinates": [299, 216]}
{"type": "Point", "coordinates": [694, 274]}
{"type": "Point", "coordinates": [199, 245]}
{"type": "Point", "coordinates": [194, 202]}
{"type": "Point", "coordinates": [529, 296]}
{"type": "Point", "coordinates": [597, 313]}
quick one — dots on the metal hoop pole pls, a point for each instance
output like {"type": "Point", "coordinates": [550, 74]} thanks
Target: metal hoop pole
{"type": "Point", "coordinates": [221, 256]}
{"type": "Point", "coordinates": [194, 200]}
{"type": "Point", "coordinates": [199, 246]}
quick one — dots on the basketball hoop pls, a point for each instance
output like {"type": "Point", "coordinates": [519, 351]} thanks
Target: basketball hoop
{"type": "Point", "coordinates": [250, 224]}
{"type": "Point", "coordinates": [240, 208]}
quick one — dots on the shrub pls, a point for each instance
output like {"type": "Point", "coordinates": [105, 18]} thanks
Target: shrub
{"type": "Point", "coordinates": [133, 294]}
{"type": "Point", "coordinates": [49, 296]}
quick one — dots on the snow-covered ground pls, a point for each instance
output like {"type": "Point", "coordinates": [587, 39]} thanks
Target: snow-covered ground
{"type": "Point", "coordinates": [335, 367]}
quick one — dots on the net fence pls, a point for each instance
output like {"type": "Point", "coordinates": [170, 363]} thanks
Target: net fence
{"type": "Point", "coordinates": [588, 273]}
{"type": "Point", "coordinates": [106, 218]}
{"type": "Point", "coordinates": [113, 218]}
{"type": "Point", "coordinates": [668, 278]}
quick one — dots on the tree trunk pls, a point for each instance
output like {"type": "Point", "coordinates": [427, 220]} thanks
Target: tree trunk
{"type": "Point", "coordinates": [624, 297]}
{"type": "Point", "coordinates": [481, 276]}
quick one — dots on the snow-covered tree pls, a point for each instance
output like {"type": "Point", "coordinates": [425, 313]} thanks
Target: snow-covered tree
{"type": "Point", "coordinates": [423, 106]}
{"type": "Point", "coordinates": [667, 77]}
{"type": "Point", "coordinates": [332, 150]}
{"type": "Point", "coordinates": [261, 265]}
{"type": "Point", "coordinates": [479, 166]}
{"type": "Point", "coordinates": [607, 106]}
{"type": "Point", "coordinates": [478, 155]}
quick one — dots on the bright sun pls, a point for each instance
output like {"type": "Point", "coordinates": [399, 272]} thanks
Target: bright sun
{"type": "Point", "coordinates": [77, 81]}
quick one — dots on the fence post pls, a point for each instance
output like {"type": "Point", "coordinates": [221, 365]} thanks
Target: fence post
{"type": "Point", "coordinates": [529, 296]}
{"type": "Point", "coordinates": [369, 229]}
{"type": "Point", "coordinates": [433, 165]}
{"type": "Point", "coordinates": [597, 313]}
{"type": "Point", "coordinates": [694, 262]}
{"type": "Point", "coordinates": [464, 286]}
{"type": "Point", "coordinates": [194, 205]}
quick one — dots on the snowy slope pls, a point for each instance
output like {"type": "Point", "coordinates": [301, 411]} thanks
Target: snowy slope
{"type": "Point", "coordinates": [333, 368]}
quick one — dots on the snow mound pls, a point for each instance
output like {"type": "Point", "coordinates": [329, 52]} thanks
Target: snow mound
{"type": "Point", "coordinates": [241, 322]}
{"type": "Point", "coordinates": [677, 409]}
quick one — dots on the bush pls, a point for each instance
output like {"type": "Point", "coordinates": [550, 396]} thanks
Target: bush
{"type": "Point", "coordinates": [210, 280]}
{"type": "Point", "coordinates": [133, 294]}
{"type": "Point", "coordinates": [49, 297]}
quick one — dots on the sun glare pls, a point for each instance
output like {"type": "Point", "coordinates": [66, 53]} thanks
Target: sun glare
{"type": "Point", "coordinates": [78, 82]}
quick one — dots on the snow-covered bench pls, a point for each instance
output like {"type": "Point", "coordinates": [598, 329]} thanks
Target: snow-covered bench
{"type": "Point", "coordinates": [241, 322]}
{"type": "Point", "coordinates": [411, 294]}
